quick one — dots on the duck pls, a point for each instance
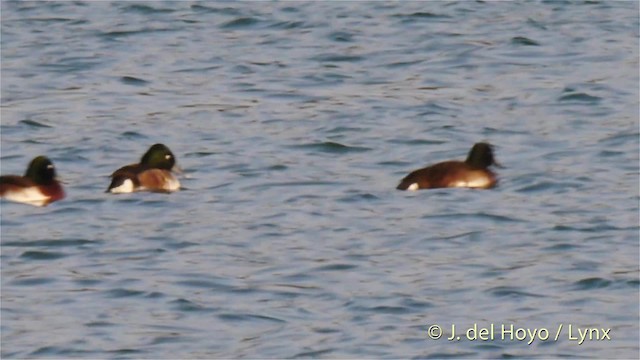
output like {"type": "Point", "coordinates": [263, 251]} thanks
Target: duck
{"type": "Point", "coordinates": [472, 173]}
{"type": "Point", "coordinates": [153, 173]}
{"type": "Point", "coordinates": [38, 186]}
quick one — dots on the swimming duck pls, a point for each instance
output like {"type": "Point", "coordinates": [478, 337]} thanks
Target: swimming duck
{"type": "Point", "coordinates": [472, 173]}
{"type": "Point", "coordinates": [152, 173]}
{"type": "Point", "coordinates": [37, 187]}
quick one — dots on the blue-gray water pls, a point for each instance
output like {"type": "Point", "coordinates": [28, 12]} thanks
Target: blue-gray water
{"type": "Point", "coordinates": [294, 122]}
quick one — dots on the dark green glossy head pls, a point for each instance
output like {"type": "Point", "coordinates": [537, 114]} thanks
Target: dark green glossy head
{"type": "Point", "coordinates": [481, 156]}
{"type": "Point", "coordinates": [41, 170]}
{"type": "Point", "coordinates": [158, 157]}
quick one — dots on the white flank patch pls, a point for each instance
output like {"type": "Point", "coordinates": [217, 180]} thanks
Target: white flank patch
{"type": "Point", "coordinates": [460, 184]}
{"type": "Point", "coordinates": [413, 187]}
{"type": "Point", "coordinates": [125, 187]}
{"type": "Point", "coordinates": [480, 182]}
{"type": "Point", "coordinates": [172, 184]}
{"type": "Point", "coordinates": [30, 195]}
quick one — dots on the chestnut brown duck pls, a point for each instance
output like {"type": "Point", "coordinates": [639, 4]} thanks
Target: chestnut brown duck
{"type": "Point", "coordinates": [473, 173]}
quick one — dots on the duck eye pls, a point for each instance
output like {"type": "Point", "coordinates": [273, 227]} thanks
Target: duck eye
{"type": "Point", "coordinates": [49, 166]}
{"type": "Point", "coordinates": [167, 156]}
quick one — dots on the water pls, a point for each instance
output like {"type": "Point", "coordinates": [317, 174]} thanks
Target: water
{"type": "Point", "coordinates": [294, 122]}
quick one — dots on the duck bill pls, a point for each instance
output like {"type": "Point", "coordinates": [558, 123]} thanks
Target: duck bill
{"type": "Point", "coordinates": [177, 169]}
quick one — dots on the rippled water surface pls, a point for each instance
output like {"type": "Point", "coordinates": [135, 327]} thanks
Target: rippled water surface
{"type": "Point", "coordinates": [294, 122]}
